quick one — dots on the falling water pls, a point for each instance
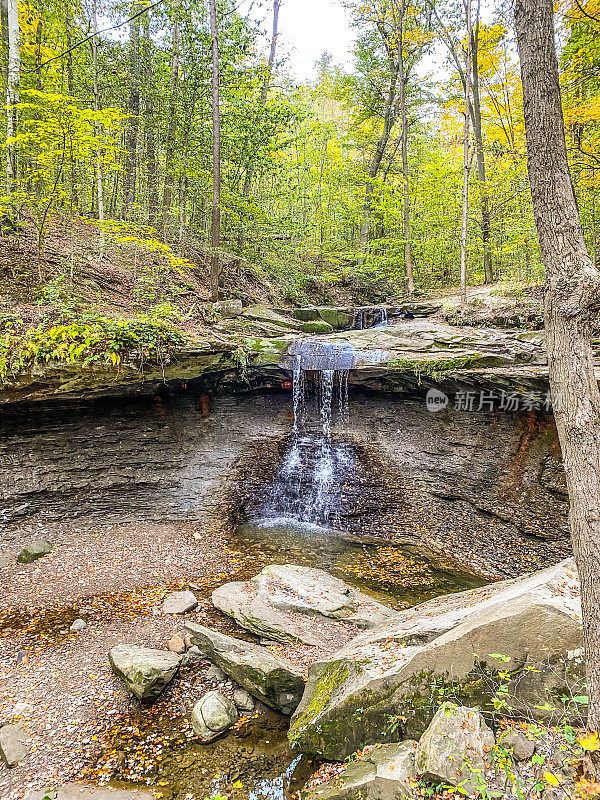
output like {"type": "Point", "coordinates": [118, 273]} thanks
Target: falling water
{"type": "Point", "coordinates": [370, 317]}
{"type": "Point", "coordinates": [307, 487]}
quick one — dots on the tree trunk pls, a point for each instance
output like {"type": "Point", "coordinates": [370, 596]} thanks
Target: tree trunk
{"type": "Point", "coordinates": [12, 91]}
{"type": "Point", "coordinates": [402, 80]}
{"type": "Point", "coordinates": [99, 180]}
{"type": "Point", "coordinates": [215, 230]}
{"type": "Point", "coordinates": [263, 102]}
{"type": "Point", "coordinates": [382, 143]}
{"type": "Point", "coordinates": [131, 139]}
{"type": "Point", "coordinates": [69, 56]}
{"type": "Point", "coordinates": [572, 301]}
{"type": "Point", "coordinates": [151, 175]}
{"type": "Point", "coordinates": [171, 128]}
{"type": "Point", "coordinates": [480, 153]}
{"type": "Point", "coordinates": [466, 162]}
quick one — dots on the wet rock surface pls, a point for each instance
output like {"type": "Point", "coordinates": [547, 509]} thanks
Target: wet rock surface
{"type": "Point", "coordinates": [486, 489]}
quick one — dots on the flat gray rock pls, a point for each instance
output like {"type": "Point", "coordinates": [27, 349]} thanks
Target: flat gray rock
{"type": "Point", "coordinates": [289, 602]}
{"type": "Point", "coordinates": [212, 715]}
{"type": "Point", "coordinates": [179, 602]}
{"type": "Point", "coordinates": [264, 676]}
{"type": "Point", "coordinates": [34, 550]}
{"type": "Point", "coordinates": [145, 671]}
{"type": "Point", "coordinates": [13, 744]}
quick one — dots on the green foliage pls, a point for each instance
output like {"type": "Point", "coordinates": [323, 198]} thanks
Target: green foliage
{"type": "Point", "coordinates": [146, 338]}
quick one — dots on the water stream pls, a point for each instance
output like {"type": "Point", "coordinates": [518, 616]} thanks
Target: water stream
{"type": "Point", "coordinates": [307, 486]}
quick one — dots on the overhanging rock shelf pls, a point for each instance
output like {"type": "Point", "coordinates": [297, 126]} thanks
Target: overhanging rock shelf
{"type": "Point", "coordinates": [398, 357]}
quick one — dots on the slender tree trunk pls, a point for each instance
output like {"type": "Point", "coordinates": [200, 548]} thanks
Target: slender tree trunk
{"type": "Point", "coordinates": [131, 139]}
{"type": "Point", "coordinates": [480, 152]}
{"type": "Point", "coordinates": [69, 55]}
{"type": "Point", "coordinates": [98, 165]}
{"type": "Point", "coordinates": [382, 143]}
{"type": "Point", "coordinates": [466, 162]}
{"type": "Point", "coordinates": [215, 230]}
{"type": "Point", "coordinates": [263, 102]}
{"type": "Point", "coordinates": [151, 174]}
{"type": "Point", "coordinates": [402, 80]}
{"type": "Point", "coordinates": [572, 302]}
{"type": "Point", "coordinates": [12, 91]}
{"type": "Point", "coordinates": [171, 128]}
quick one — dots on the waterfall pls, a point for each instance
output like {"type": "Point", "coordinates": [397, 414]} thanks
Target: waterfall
{"type": "Point", "coordinates": [308, 483]}
{"type": "Point", "coordinates": [370, 317]}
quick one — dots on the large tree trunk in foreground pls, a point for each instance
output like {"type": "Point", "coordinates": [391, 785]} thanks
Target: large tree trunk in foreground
{"type": "Point", "coordinates": [215, 229]}
{"type": "Point", "coordinates": [571, 305]}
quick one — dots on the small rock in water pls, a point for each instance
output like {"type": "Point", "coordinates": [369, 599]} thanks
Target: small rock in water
{"type": "Point", "coordinates": [215, 674]}
{"type": "Point", "coordinates": [34, 550]}
{"type": "Point", "coordinates": [187, 640]}
{"type": "Point", "coordinates": [179, 603]}
{"type": "Point", "coordinates": [213, 715]}
{"type": "Point", "coordinates": [5, 560]}
{"type": "Point", "coordinates": [176, 644]}
{"type": "Point", "coordinates": [13, 744]}
{"type": "Point", "coordinates": [78, 625]}
{"type": "Point", "coordinates": [243, 700]}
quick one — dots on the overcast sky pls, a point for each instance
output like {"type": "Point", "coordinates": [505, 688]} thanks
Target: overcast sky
{"type": "Point", "coordinates": [308, 28]}
{"type": "Point", "coordinates": [311, 27]}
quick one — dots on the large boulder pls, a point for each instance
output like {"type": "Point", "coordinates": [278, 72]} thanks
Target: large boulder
{"type": "Point", "coordinates": [455, 749]}
{"type": "Point", "coordinates": [287, 602]}
{"type": "Point", "coordinates": [146, 672]}
{"type": "Point", "coordinates": [378, 687]}
{"type": "Point", "coordinates": [383, 773]}
{"type": "Point", "coordinates": [212, 715]}
{"type": "Point", "coordinates": [268, 678]}
{"type": "Point", "coordinates": [34, 550]}
{"type": "Point", "coordinates": [13, 744]}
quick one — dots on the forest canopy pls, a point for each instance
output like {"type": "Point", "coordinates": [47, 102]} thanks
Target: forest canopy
{"type": "Point", "coordinates": [358, 172]}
